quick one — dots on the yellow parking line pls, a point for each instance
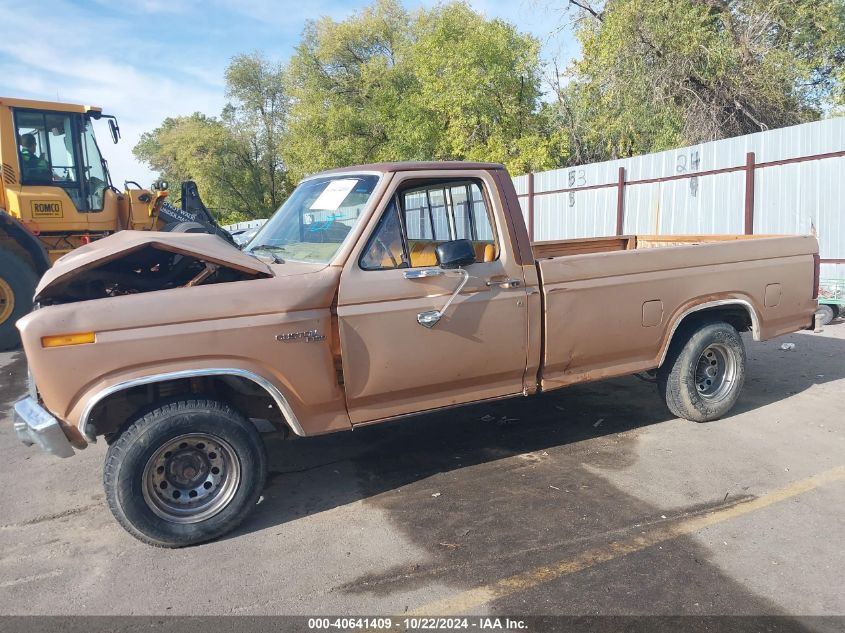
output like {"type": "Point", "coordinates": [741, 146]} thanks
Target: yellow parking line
{"type": "Point", "coordinates": [467, 600]}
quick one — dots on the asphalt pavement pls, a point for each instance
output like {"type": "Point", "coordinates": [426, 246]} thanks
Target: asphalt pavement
{"type": "Point", "coordinates": [589, 500]}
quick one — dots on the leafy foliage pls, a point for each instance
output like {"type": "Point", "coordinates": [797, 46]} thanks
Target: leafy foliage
{"type": "Point", "coordinates": [664, 73]}
{"type": "Point", "coordinates": [441, 84]}
{"type": "Point", "coordinates": [235, 158]}
{"type": "Point", "coordinates": [448, 84]}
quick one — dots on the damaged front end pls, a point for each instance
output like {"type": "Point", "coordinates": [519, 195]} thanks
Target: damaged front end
{"type": "Point", "coordinates": [133, 262]}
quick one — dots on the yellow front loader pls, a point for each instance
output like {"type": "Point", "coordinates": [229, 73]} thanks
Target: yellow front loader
{"type": "Point", "coordinates": [57, 195]}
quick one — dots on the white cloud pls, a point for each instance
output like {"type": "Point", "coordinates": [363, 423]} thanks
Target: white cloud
{"type": "Point", "coordinates": [66, 66]}
{"type": "Point", "coordinates": [290, 16]}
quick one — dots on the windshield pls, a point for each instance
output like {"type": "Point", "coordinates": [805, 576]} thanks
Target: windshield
{"type": "Point", "coordinates": [315, 220]}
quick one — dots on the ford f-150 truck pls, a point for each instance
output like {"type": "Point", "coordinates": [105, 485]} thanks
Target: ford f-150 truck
{"type": "Point", "coordinates": [375, 292]}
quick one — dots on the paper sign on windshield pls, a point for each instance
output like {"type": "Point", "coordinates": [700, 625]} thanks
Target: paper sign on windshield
{"type": "Point", "coordinates": [334, 194]}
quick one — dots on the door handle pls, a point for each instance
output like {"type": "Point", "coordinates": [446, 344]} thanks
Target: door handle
{"type": "Point", "coordinates": [423, 273]}
{"type": "Point", "coordinates": [510, 283]}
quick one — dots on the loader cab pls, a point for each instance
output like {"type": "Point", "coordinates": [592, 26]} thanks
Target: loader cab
{"type": "Point", "coordinates": [58, 149]}
{"type": "Point", "coordinates": [55, 181]}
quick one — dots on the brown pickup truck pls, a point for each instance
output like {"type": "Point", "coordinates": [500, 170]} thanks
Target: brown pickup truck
{"type": "Point", "coordinates": [375, 292]}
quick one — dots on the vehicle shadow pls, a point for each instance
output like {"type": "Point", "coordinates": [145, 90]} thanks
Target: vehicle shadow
{"type": "Point", "coordinates": [311, 475]}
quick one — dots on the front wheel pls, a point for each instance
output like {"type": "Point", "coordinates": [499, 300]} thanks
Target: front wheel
{"type": "Point", "coordinates": [702, 376]}
{"type": "Point", "coordinates": [184, 473]}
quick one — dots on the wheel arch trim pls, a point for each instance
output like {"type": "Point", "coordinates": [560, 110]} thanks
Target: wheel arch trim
{"type": "Point", "coordinates": [742, 303]}
{"type": "Point", "coordinates": [269, 387]}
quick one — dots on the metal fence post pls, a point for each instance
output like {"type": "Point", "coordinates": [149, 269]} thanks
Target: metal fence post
{"type": "Point", "coordinates": [749, 193]}
{"type": "Point", "coordinates": [531, 206]}
{"type": "Point", "coordinates": [620, 202]}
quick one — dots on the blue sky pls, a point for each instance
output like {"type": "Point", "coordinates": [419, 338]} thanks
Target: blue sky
{"type": "Point", "coordinates": [148, 59]}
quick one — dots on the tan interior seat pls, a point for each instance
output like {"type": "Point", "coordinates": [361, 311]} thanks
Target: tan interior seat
{"type": "Point", "coordinates": [423, 252]}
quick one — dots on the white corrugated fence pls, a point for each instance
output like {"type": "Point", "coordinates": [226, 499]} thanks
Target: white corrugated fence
{"type": "Point", "coordinates": [790, 180]}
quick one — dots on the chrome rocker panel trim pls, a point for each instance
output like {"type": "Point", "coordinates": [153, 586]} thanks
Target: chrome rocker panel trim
{"type": "Point", "coordinates": [265, 384]}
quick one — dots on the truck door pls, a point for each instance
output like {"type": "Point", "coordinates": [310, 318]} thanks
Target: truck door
{"type": "Point", "coordinates": [393, 365]}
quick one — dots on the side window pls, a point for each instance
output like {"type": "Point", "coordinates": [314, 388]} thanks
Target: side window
{"type": "Point", "coordinates": [385, 250]}
{"type": "Point", "coordinates": [408, 235]}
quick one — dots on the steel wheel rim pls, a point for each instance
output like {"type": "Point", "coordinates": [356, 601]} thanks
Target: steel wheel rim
{"type": "Point", "coordinates": [7, 300]}
{"type": "Point", "coordinates": [191, 478]}
{"type": "Point", "coordinates": [715, 372]}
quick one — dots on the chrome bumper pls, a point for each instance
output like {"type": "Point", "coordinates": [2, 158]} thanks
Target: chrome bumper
{"type": "Point", "coordinates": [34, 425]}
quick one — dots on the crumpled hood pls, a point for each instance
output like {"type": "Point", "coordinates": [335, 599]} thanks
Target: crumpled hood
{"type": "Point", "coordinates": [209, 248]}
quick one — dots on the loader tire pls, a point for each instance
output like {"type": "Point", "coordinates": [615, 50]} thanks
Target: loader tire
{"type": "Point", "coordinates": [703, 373]}
{"type": "Point", "coordinates": [17, 285]}
{"type": "Point", "coordinates": [184, 473]}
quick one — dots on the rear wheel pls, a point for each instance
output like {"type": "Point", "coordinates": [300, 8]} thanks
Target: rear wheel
{"type": "Point", "coordinates": [185, 473]}
{"type": "Point", "coordinates": [827, 312]}
{"type": "Point", "coordinates": [703, 375]}
{"type": "Point", "coordinates": [17, 285]}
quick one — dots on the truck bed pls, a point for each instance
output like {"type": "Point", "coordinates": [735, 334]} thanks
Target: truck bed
{"type": "Point", "coordinates": [609, 303]}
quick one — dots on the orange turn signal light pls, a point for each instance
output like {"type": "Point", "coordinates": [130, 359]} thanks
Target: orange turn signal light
{"type": "Point", "coordinates": [60, 340]}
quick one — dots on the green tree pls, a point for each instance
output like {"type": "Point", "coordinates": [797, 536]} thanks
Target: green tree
{"type": "Point", "coordinates": [256, 115]}
{"type": "Point", "coordinates": [189, 148]}
{"type": "Point", "coordinates": [234, 158]}
{"type": "Point", "coordinates": [478, 90]}
{"type": "Point", "coordinates": [441, 84]}
{"type": "Point", "coordinates": [656, 74]}
{"type": "Point", "coordinates": [348, 89]}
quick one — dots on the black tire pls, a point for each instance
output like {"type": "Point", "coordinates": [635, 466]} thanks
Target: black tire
{"type": "Point", "coordinates": [827, 312]}
{"type": "Point", "coordinates": [133, 494]}
{"type": "Point", "coordinates": [685, 380]}
{"type": "Point", "coordinates": [186, 227]}
{"type": "Point", "coordinates": [18, 279]}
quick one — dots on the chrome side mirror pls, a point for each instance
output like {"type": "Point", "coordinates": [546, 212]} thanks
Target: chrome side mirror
{"type": "Point", "coordinates": [430, 318]}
